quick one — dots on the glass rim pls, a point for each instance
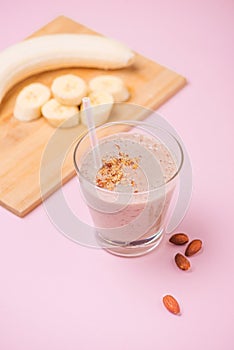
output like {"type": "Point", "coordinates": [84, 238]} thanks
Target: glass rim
{"type": "Point", "coordinates": [129, 122]}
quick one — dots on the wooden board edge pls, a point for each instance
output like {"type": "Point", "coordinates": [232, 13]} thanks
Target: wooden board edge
{"type": "Point", "coordinates": [25, 211]}
{"type": "Point", "coordinates": [57, 19]}
{"type": "Point", "coordinates": [183, 83]}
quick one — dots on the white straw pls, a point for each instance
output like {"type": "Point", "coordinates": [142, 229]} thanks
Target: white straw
{"type": "Point", "coordinates": [92, 132]}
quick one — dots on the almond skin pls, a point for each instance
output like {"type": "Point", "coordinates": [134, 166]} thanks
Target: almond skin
{"type": "Point", "coordinates": [171, 304]}
{"type": "Point", "coordinates": [193, 247]}
{"type": "Point", "coordinates": [179, 238]}
{"type": "Point", "coordinates": [182, 262]}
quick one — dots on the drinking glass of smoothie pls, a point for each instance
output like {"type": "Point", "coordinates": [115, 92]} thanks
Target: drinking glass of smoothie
{"type": "Point", "coordinates": [128, 182]}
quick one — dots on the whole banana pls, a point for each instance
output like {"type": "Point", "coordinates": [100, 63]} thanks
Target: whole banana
{"type": "Point", "coordinates": [55, 51]}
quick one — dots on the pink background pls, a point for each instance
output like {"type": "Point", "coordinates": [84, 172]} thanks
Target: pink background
{"type": "Point", "coordinates": [55, 294]}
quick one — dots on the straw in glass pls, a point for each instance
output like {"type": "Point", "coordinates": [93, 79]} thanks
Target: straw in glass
{"type": "Point", "coordinates": [92, 132]}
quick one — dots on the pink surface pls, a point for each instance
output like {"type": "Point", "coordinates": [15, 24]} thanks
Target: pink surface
{"type": "Point", "coordinates": [55, 294]}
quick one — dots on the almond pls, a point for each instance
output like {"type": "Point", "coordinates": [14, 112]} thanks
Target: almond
{"type": "Point", "coordinates": [171, 304]}
{"type": "Point", "coordinates": [193, 247]}
{"type": "Point", "coordinates": [179, 238]}
{"type": "Point", "coordinates": [182, 262]}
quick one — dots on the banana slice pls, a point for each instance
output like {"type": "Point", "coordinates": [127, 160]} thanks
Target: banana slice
{"type": "Point", "coordinates": [30, 100]}
{"type": "Point", "coordinates": [101, 103]}
{"type": "Point", "coordinates": [60, 115]}
{"type": "Point", "coordinates": [69, 89]}
{"type": "Point", "coordinates": [111, 84]}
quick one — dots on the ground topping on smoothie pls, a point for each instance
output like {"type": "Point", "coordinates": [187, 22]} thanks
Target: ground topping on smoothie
{"type": "Point", "coordinates": [114, 171]}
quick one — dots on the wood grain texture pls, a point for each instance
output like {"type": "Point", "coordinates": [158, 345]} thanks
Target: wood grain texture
{"type": "Point", "coordinates": [22, 144]}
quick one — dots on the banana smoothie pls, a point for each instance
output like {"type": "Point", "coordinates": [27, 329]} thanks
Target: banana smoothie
{"type": "Point", "coordinates": [129, 195]}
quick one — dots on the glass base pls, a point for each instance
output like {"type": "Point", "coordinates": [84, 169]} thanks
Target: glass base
{"type": "Point", "coordinates": [132, 249]}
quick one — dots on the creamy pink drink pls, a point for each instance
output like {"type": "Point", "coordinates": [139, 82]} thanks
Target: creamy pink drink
{"type": "Point", "coordinates": [129, 195]}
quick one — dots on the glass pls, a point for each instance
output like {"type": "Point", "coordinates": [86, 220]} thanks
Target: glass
{"type": "Point", "coordinates": [130, 222]}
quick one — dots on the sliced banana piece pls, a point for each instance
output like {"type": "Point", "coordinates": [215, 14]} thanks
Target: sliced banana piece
{"type": "Point", "coordinates": [101, 103]}
{"type": "Point", "coordinates": [30, 100]}
{"type": "Point", "coordinates": [111, 84]}
{"type": "Point", "coordinates": [60, 115]}
{"type": "Point", "coordinates": [69, 89]}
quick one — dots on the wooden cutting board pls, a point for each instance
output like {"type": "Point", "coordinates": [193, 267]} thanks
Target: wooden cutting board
{"type": "Point", "coordinates": [22, 144]}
